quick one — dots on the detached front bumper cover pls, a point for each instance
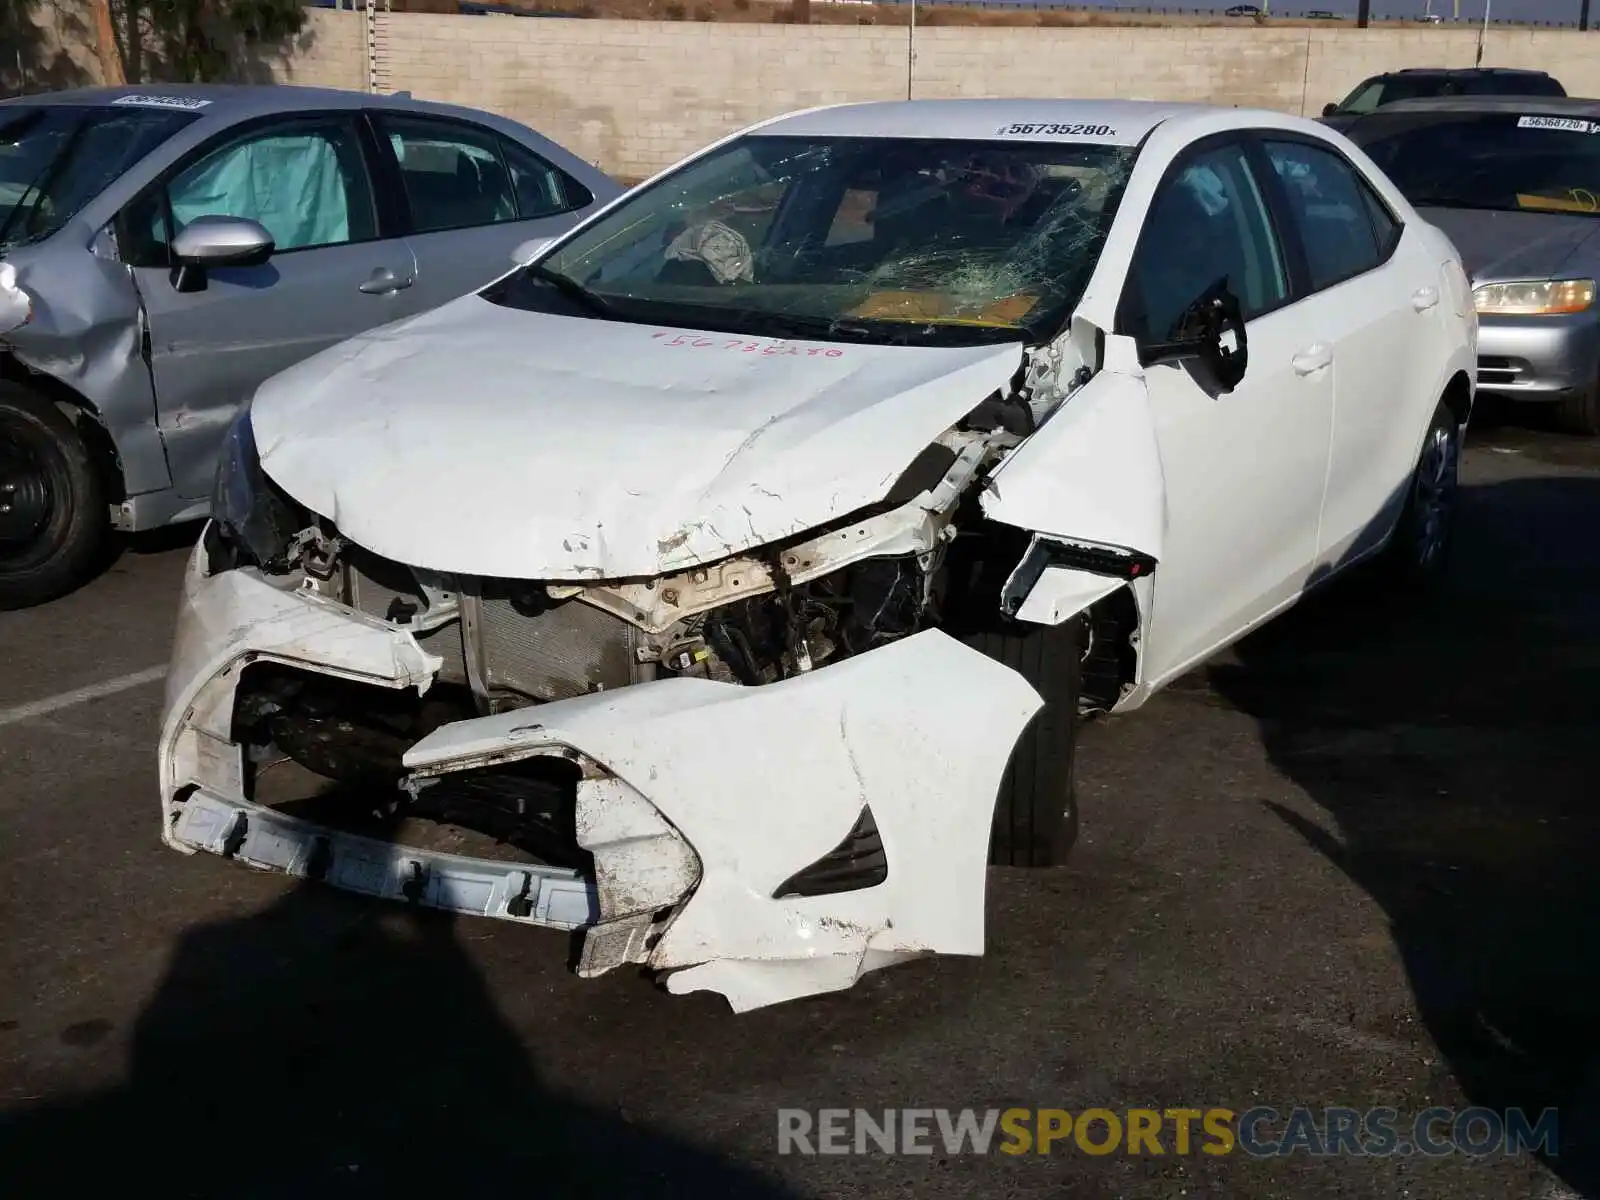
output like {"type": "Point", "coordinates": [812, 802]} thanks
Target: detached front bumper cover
{"type": "Point", "coordinates": [701, 802]}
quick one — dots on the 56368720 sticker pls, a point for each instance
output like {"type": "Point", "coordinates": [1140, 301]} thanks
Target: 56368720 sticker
{"type": "Point", "coordinates": [1566, 124]}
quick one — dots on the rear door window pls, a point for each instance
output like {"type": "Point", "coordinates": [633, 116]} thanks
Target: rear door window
{"type": "Point", "coordinates": [1327, 200]}
{"type": "Point", "coordinates": [454, 175]}
{"type": "Point", "coordinates": [458, 176]}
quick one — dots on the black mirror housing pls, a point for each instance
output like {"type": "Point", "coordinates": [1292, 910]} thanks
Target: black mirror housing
{"type": "Point", "coordinates": [1203, 336]}
{"type": "Point", "coordinates": [1329, 110]}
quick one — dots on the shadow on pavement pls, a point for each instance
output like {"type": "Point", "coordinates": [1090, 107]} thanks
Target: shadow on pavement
{"type": "Point", "coordinates": [161, 540]}
{"type": "Point", "coordinates": [328, 1046]}
{"type": "Point", "coordinates": [1455, 743]}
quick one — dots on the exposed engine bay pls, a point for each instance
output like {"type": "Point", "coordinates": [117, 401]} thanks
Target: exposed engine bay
{"type": "Point", "coordinates": [662, 763]}
{"type": "Point", "coordinates": [750, 619]}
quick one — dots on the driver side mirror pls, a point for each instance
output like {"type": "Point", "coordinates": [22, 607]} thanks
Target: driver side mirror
{"type": "Point", "coordinates": [217, 241]}
{"type": "Point", "coordinates": [1211, 335]}
{"type": "Point", "coordinates": [1329, 110]}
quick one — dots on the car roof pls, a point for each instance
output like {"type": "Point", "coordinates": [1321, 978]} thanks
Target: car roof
{"type": "Point", "coordinates": [235, 102]}
{"type": "Point", "coordinates": [1127, 121]}
{"type": "Point", "coordinates": [1465, 71]}
{"type": "Point", "coordinates": [1543, 106]}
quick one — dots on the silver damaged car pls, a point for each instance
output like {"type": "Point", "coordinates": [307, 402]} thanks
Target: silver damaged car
{"type": "Point", "coordinates": [164, 250]}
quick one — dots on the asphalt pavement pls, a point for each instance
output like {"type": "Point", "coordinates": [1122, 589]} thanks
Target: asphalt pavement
{"type": "Point", "coordinates": [1348, 863]}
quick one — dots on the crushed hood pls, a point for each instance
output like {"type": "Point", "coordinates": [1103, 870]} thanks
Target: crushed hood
{"type": "Point", "coordinates": [484, 440]}
{"type": "Point", "coordinates": [1499, 246]}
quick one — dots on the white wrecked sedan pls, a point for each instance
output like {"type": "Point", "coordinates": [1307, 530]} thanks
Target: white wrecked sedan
{"type": "Point", "coordinates": [728, 582]}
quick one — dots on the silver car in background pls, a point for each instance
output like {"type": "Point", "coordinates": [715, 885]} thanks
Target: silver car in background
{"type": "Point", "coordinates": [165, 249]}
{"type": "Point", "coordinates": [1515, 183]}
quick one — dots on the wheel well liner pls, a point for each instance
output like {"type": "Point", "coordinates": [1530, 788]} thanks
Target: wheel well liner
{"type": "Point", "coordinates": [1458, 397]}
{"type": "Point", "coordinates": [1111, 651]}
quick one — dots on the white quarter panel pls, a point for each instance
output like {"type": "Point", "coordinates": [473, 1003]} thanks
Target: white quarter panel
{"type": "Point", "coordinates": [1386, 382]}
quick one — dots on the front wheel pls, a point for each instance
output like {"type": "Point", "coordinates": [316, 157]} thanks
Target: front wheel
{"type": "Point", "coordinates": [1036, 811]}
{"type": "Point", "coordinates": [52, 503]}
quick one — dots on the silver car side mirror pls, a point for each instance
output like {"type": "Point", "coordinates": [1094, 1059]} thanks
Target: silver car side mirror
{"type": "Point", "coordinates": [217, 241]}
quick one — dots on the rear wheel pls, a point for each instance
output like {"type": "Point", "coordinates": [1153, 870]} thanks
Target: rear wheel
{"type": "Point", "coordinates": [1036, 810]}
{"type": "Point", "coordinates": [1418, 551]}
{"type": "Point", "coordinates": [52, 503]}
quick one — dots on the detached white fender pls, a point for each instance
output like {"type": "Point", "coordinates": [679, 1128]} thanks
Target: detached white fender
{"type": "Point", "coordinates": [1092, 472]}
{"type": "Point", "coordinates": [1090, 486]}
{"type": "Point", "coordinates": [761, 782]}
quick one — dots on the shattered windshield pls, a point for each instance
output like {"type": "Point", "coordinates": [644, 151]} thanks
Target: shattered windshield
{"type": "Point", "coordinates": [1506, 161]}
{"type": "Point", "coordinates": [55, 158]}
{"type": "Point", "coordinates": [914, 240]}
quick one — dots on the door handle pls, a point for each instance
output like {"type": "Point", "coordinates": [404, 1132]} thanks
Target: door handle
{"type": "Point", "coordinates": [383, 281]}
{"type": "Point", "coordinates": [1312, 358]}
{"type": "Point", "coordinates": [1424, 298]}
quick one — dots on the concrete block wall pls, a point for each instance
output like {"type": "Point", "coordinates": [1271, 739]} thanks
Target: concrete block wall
{"type": "Point", "coordinates": [330, 52]}
{"type": "Point", "coordinates": [1265, 69]}
{"type": "Point", "coordinates": [635, 96]}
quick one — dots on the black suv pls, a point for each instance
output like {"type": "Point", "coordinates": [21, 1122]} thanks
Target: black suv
{"type": "Point", "coordinates": [1416, 83]}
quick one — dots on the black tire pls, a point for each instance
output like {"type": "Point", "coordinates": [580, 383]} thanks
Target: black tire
{"type": "Point", "coordinates": [52, 502]}
{"type": "Point", "coordinates": [1579, 412]}
{"type": "Point", "coordinates": [1036, 811]}
{"type": "Point", "coordinates": [1418, 552]}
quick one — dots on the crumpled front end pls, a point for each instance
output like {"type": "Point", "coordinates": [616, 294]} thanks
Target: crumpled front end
{"type": "Point", "coordinates": [760, 771]}
{"type": "Point", "coordinates": [237, 622]}
{"type": "Point", "coordinates": [764, 842]}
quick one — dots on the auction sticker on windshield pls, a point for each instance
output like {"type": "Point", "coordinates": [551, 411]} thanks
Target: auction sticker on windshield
{"type": "Point", "coordinates": [1569, 124]}
{"type": "Point", "coordinates": [184, 102]}
{"type": "Point", "coordinates": [1026, 129]}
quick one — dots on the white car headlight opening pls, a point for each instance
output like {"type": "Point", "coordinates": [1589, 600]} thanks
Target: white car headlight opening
{"type": "Point", "coordinates": [252, 521]}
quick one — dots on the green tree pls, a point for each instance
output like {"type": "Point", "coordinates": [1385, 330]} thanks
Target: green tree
{"type": "Point", "coordinates": [198, 41]}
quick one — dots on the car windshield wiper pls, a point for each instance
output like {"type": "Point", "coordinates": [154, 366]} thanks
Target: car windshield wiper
{"type": "Point", "coordinates": [802, 325]}
{"type": "Point", "coordinates": [574, 291]}
{"type": "Point", "coordinates": [878, 331]}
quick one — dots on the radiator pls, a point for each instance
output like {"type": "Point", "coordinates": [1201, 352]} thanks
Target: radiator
{"type": "Point", "coordinates": [546, 653]}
